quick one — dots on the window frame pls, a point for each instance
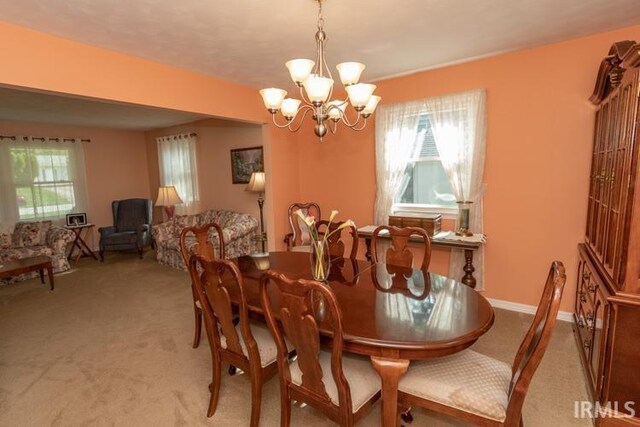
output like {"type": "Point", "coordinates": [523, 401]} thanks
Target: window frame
{"type": "Point", "coordinates": [447, 212]}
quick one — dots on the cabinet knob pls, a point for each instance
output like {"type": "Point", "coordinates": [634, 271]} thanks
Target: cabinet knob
{"type": "Point", "coordinates": [591, 287]}
{"type": "Point", "coordinates": [583, 297]}
{"type": "Point", "coordinates": [581, 322]}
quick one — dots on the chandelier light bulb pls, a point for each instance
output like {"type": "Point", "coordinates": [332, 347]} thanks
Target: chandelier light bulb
{"type": "Point", "coordinates": [272, 98]}
{"type": "Point", "coordinates": [318, 88]}
{"type": "Point", "coordinates": [371, 105]}
{"type": "Point", "coordinates": [300, 69]}
{"type": "Point", "coordinates": [334, 108]}
{"type": "Point", "coordinates": [359, 94]}
{"type": "Point", "coordinates": [350, 72]}
{"type": "Point", "coordinates": [289, 108]}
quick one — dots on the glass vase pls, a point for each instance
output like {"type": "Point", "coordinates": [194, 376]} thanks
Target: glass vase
{"type": "Point", "coordinates": [463, 218]}
{"type": "Point", "coordinates": [320, 260]}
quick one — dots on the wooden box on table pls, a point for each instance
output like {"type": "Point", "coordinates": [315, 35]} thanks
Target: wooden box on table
{"type": "Point", "coordinates": [429, 222]}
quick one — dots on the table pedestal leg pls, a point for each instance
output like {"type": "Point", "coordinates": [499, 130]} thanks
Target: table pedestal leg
{"type": "Point", "coordinates": [390, 371]}
{"type": "Point", "coordinates": [367, 243]}
{"type": "Point", "coordinates": [468, 268]}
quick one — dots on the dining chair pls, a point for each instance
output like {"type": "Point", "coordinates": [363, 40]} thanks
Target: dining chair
{"type": "Point", "coordinates": [298, 239]}
{"type": "Point", "coordinates": [345, 387]}
{"type": "Point", "coordinates": [393, 279]}
{"type": "Point", "coordinates": [477, 388]}
{"type": "Point", "coordinates": [399, 253]}
{"type": "Point", "coordinates": [195, 240]}
{"type": "Point", "coordinates": [247, 345]}
{"type": "Point", "coordinates": [337, 247]}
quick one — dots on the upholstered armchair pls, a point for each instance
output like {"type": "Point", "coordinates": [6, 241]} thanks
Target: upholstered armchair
{"type": "Point", "coordinates": [131, 227]}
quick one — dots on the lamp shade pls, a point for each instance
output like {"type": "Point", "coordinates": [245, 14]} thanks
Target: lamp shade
{"type": "Point", "coordinates": [256, 183]}
{"type": "Point", "coordinates": [168, 196]}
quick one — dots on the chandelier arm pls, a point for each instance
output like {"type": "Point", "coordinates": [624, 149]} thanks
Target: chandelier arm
{"type": "Point", "coordinates": [273, 119]}
{"type": "Point", "coordinates": [364, 124]}
{"type": "Point", "coordinates": [306, 109]}
{"type": "Point", "coordinates": [333, 126]}
{"type": "Point", "coordinates": [304, 97]}
{"type": "Point", "coordinates": [345, 119]}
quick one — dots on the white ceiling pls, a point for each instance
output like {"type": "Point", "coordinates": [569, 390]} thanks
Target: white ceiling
{"type": "Point", "coordinates": [248, 41]}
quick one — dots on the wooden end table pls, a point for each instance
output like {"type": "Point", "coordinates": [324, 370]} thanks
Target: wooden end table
{"type": "Point", "coordinates": [81, 232]}
{"type": "Point", "coordinates": [26, 265]}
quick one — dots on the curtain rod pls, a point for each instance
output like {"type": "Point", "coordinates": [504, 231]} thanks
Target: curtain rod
{"type": "Point", "coordinates": [43, 139]}
{"type": "Point", "coordinates": [178, 135]}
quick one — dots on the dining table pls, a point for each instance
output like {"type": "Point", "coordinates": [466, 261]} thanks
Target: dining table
{"type": "Point", "coordinates": [392, 314]}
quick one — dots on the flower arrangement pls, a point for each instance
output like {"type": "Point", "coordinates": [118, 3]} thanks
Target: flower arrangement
{"type": "Point", "coordinates": [320, 260]}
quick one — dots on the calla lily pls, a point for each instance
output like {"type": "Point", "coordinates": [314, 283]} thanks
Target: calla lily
{"type": "Point", "coordinates": [333, 215]}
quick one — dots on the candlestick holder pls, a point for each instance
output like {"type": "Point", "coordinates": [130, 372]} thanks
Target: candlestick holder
{"type": "Point", "coordinates": [464, 207]}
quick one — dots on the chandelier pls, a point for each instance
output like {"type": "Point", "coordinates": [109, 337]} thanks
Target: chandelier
{"type": "Point", "coordinates": [315, 83]}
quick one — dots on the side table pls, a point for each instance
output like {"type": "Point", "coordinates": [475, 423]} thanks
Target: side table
{"type": "Point", "coordinates": [81, 232]}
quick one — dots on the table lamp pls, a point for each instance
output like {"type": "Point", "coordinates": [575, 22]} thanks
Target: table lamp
{"type": "Point", "coordinates": [168, 197]}
{"type": "Point", "coordinates": [256, 185]}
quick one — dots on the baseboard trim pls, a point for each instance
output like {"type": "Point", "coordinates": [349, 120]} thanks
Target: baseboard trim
{"type": "Point", "coordinates": [565, 316]}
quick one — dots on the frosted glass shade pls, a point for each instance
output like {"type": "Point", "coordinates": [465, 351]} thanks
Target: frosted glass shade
{"type": "Point", "coordinates": [360, 93]}
{"type": "Point", "coordinates": [300, 69]}
{"type": "Point", "coordinates": [371, 105]}
{"type": "Point", "coordinates": [168, 196]}
{"type": "Point", "coordinates": [334, 108]}
{"type": "Point", "coordinates": [289, 107]}
{"type": "Point", "coordinates": [350, 72]}
{"type": "Point", "coordinates": [272, 98]}
{"type": "Point", "coordinates": [256, 183]}
{"type": "Point", "coordinates": [317, 88]}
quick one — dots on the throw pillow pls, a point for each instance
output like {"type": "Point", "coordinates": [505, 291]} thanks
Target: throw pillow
{"type": "Point", "coordinates": [27, 234]}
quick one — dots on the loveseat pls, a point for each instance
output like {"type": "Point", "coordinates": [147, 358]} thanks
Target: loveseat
{"type": "Point", "coordinates": [238, 230]}
{"type": "Point", "coordinates": [30, 239]}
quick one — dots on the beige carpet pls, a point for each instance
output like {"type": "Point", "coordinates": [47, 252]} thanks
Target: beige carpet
{"type": "Point", "coordinates": [112, 346]}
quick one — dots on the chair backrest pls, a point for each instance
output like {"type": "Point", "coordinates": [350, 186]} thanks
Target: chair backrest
{"type": "Point", "coordinates": [536, 341]}
{"type": "Point", "coordinates": [399, 253]}
{"type": "Point", "coordinates": [335, 242]}
{"type": "Point", "coordinates": [219, 283]}
{"type": "Point", "coordinates": [300, 233]}
{"type": "Point", "coordinates": [130, 214]}
{"type": "Point", "coordinates": [203, 245]}
{"type": "Point", "coordinates": [303, 304]}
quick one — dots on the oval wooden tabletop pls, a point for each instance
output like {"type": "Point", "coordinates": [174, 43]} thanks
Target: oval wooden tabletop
{"type": "Point", "coordinates": [389, 311]}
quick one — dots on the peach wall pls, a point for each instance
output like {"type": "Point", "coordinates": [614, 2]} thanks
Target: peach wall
{"type": "Point", "coordinates": [214, 142]}
{"type": "Point", "coordinates": [94, 72]}
{"type": "Point", "coordinates": [537, 159]}
{"type": "Point", "coordinates": [116, 164]}
{"type": "Point", "coordinates": [88, 71]}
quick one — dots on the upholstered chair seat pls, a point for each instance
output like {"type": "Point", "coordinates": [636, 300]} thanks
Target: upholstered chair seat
{"type": "Point", "coordinates": [468, 381]}
{"type": "Point", "coordinates": [266, 345]}
{"type": "Point", "coordinates": [363, 380]}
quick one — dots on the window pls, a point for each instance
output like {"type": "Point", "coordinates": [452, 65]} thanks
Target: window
{"type": "Point", "coordinates": [425, 184]}
{"type": "Point", "coordinates": [43, 179]}
{"type": "Point", "coordinates": [177, 158]}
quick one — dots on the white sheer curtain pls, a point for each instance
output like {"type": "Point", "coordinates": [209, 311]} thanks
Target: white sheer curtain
{"type": "Point", "coordinates": [41, 178]}
{"type": "Point", "coordinates": [459, 128]}
{"type": "Point", "coordinates": [397, 139]}
{"type": "Point", "coordinates": [177, 159]}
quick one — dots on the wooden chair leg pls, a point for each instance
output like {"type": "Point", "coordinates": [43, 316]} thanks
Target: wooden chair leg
{"type": "Point", "coordinates": [214, 387]}
{"type": "Point", "coordinates": [256, 398]}
{"type": "Point", "coordinates": [198, 326]}
{"type": "Point", "coordinates": [285, 409]}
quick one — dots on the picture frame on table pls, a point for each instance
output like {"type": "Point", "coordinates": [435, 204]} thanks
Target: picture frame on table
{"type": "Point", "coordinates": [244, 162]}
{"type": "Point", "coordinates": [76, 219]}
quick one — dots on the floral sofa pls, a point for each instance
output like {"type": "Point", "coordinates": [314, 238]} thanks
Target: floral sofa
{"type": "Point", "coordinates": [238, 229]}
{"type": "Point", "coordinates": [35, 238]}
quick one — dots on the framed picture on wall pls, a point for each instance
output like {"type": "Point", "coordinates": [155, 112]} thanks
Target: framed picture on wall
{"type": "Point", "coordinates": [244, 162]}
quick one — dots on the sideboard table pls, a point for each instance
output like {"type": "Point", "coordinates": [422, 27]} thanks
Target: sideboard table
{"type": "Point", "coordinates": [366, 233]}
